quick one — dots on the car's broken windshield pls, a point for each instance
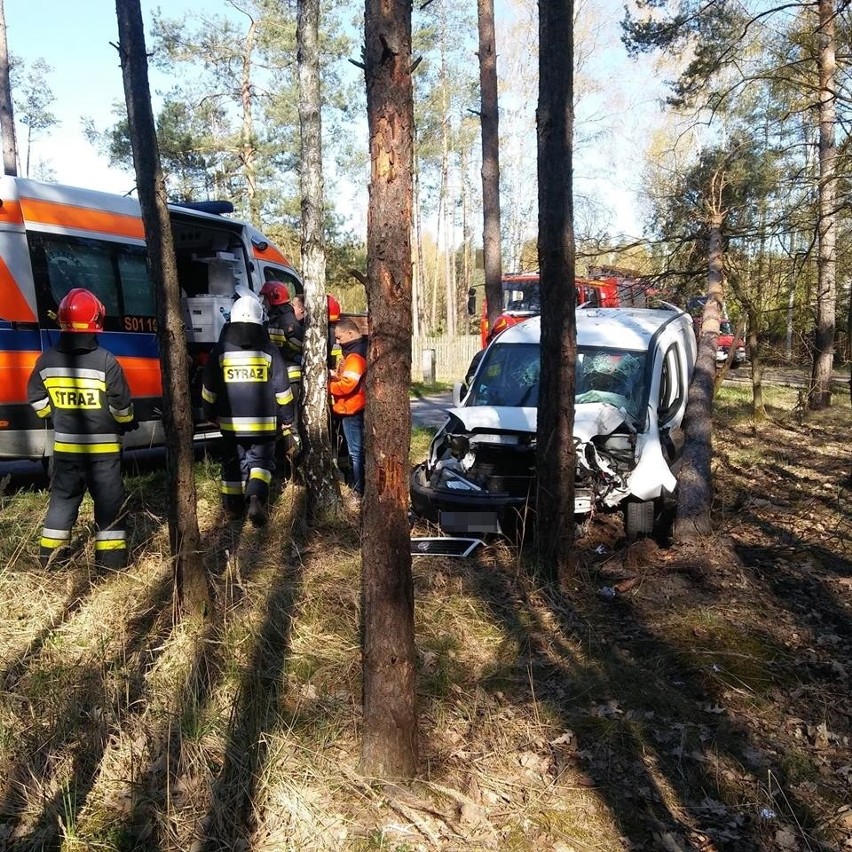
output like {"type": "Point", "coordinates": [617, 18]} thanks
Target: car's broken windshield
{"type": "Point", "coordinates": [509, 376]}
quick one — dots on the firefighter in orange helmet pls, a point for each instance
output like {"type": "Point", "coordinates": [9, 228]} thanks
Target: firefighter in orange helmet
{"type": "Point", "coordinates": [83, 389]}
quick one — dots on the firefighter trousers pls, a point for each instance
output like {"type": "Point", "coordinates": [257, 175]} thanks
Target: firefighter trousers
{"type": "Point", "coordinates": [72, 475]}
{"type": "Point", "coordinates": [247, 468]}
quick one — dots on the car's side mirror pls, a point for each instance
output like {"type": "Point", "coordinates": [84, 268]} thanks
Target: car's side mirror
{"type": "Point", "coordinates": [459, 393]}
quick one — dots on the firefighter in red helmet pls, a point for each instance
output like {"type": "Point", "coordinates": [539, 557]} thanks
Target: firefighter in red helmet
{"type": "Point", "coordinates": [335, 353]}
{"type": "Point", "coordinates": [285, 330]}
{"type": "Point", "coordinates": [83, 389]}
{"type": "Point", "coordinates": [288, 334]}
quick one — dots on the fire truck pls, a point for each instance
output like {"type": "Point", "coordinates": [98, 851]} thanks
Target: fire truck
{"type": "Point", "coordinates": [603, 287]}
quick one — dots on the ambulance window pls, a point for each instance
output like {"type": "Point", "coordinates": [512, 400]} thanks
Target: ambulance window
{"type": "Point", "coordinates": [75, 264]}
{"type": "Point", "coordinates": [274, 273]}
{"type": "Point", "coordinates": [136, 286]}
{"type": "Point", "coordinates": [115, 272]}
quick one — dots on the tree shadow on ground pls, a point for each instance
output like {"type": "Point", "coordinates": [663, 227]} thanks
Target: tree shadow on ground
{"type": "Point", "coordinates": [74, 722]}
{"type": "Point", "coordinates": [230, 815]}
{"type": "Point", "coordinates": [649, 722]}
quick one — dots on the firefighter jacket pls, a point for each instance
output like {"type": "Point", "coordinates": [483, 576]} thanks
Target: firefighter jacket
{"type": "Point", "coordinates": [335, 353]}
{"type": "Point", "coordinates": [245, 387]}
{"type": "Point", "coordinates": [288, 334]}
{"type": "Point", "coordinates": [348, 393]}
{"type": "Point", "coordinates": [83, 388]}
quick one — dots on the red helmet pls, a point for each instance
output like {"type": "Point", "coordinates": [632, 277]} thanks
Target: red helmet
{"type": "Point", "coordinates": [333, 309]}
{"type": "Point", "coordinates": [81, 311]}
{"type": "Point", "coordinates": [275, 293]}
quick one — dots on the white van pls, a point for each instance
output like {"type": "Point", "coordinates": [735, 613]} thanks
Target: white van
{"type": "Point", "coordinates": [634, 366]}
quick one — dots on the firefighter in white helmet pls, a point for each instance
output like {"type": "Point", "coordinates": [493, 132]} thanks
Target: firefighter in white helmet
{"type": "Point", "coordinates": [83, 389]}
{"type": "Point", "coordinates": [247, 393]}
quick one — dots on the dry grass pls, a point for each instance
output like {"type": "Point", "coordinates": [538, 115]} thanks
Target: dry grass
{"type": "Point", "coordinates": [669, 718]}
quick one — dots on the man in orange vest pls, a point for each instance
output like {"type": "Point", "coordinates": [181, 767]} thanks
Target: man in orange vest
{"type": "Point", "coordinates": [349, 396]}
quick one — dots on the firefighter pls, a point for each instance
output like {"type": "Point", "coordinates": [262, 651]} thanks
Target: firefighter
{"type": "Point", "coordinates": [288, 334]}
{"type": "Point", "coordinates": [335, 356]}
{"type": "Point", "coordinates": [246, 391]}
{"type": "Point", "coordinates": [83, 388]}
{"type": "Point", "coordinates": [285, 330]}
{"type": "Point", "coordinates": [335, 353]}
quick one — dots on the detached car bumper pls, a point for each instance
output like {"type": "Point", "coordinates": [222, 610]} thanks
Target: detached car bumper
{"type": "Point", "coordinates": [465, 510]}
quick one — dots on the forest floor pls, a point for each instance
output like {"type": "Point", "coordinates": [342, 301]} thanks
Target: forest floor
{"type": "Point", "coordinates": [663, 699]}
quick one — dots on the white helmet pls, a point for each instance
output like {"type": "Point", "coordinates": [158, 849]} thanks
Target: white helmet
{"type": "Point", "coordinates": [248, 309]}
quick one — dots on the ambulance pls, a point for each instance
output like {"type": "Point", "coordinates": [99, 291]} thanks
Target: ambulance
{"type": "Point", "coordinates": [54, 238]}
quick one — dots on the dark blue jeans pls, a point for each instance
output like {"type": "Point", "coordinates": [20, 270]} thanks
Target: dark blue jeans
{"type": "Point", "coordinates": [353, 431]}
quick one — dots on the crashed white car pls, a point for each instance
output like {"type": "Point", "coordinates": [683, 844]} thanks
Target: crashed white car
{"type": "Point", "coordinates": [633, 370]}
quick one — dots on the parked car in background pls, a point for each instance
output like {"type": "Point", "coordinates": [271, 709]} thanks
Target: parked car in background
{"type": "Point", "coordinates": [725, 342]}
{"type": "Point", "coordinates": [633, 370]}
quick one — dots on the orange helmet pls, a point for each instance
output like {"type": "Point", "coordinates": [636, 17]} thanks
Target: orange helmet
{"type": "Point", "coordinates": [333, 309]}
{"type": "Point", "coordinates": [275, 293]}
{"type": "Point", "coordinates": [80, 311]}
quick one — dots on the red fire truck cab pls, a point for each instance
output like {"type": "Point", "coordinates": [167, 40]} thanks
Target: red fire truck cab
{"type": "Point", "coordinates": [606, 287]}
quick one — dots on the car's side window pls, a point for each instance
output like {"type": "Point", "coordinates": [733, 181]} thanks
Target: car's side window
{"type": "Point", "coordinates": [672, 385]}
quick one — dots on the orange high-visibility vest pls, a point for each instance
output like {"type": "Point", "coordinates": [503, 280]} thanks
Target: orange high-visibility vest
{"type": "Point", "coordinates": [348, 393]}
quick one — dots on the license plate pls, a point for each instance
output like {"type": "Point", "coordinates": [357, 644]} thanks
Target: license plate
{"type": "Point", "coordinates": [481, 522]}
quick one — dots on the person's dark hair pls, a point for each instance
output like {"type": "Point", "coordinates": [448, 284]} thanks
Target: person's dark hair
{"type": "Point", "coordinates": [347, 324]}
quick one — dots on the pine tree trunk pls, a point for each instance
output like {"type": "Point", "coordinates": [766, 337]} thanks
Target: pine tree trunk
{"type": "Point", "coordinates": [555, 453]}
{"type": "Point", "coordinates": [185, 541]}
{"type": "Point", "coordinates": [694, 483]}
{"type": "Point", "coordinates": [7, 113]}
{"type": "Point", "coordinates": [490, 119]}
{"type": "Point", "coordinates": [820, 392]}
{"type": "Point", "coordinates": [318, 465]}
{"type": "Point", "coordinates": [248, 152]}
{"type": "Point", "coordinates": [756, 360]}
{"type": "Point", "coordinates": [389, 746]}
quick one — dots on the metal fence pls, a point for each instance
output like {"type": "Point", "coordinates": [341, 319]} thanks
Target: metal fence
{"type": "Point", "coordinates": [451, 359]}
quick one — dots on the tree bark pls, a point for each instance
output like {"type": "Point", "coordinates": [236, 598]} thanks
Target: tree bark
{"type": "Point", "coordinates": [318, 465]}
{"type": "Point", "coordinates": [820, 392]}
{"type": "Point", "coordinates": [7, 112]}
{"type": "Point", "coordinates": [555, 458]}
{"type": "Point", "coordinates": [191, 587]}
{"type": "Point", "coordinates": [694, 483]}
{"type": "Point", "coordinates": [389, 746]}
{"type": "Point", "coordinates": [490, 120]}
{"type": "Point", "coordinates": [756, 359]}
{"type": "Point", "coordinates": [248, 148]}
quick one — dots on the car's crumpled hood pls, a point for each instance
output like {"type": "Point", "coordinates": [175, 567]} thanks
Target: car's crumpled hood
{"type": "Point", "coordinates": [590, 419]}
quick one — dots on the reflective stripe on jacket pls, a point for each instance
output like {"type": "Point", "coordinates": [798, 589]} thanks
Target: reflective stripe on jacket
{"type": "Point", "coordinates": [83, 388]}
{"type": "Point", "coordinates": [245, 387]}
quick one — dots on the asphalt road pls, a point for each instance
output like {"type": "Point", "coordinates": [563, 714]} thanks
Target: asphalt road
{"type": "Point", "coordinates": [430, 411]}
